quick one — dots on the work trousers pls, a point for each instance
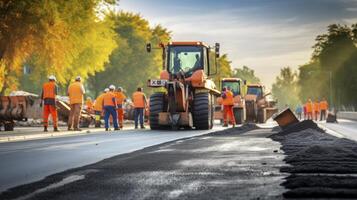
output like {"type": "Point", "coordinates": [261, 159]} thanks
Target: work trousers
{"type": "Point", "coordinates": [74, 115]}
{"type": "Point", "coordinates": [316, 115]}
{"type": "Point", "coordinates": [228, 113]}
{"type": "Point", "coordinates": [120, 116]}
{"type": "Point", "coordinates": [299, 115]}
{"type": "Point", "coordinates": [47, 111]}
{"type": "Point", "coordinates": [323, 115]}
{"type": "Point", "coordinates": [139, 115]}
{"type": "Point", "coordinates": [110, 111]}
{"type": "Point", "coordinates": [309, 116]}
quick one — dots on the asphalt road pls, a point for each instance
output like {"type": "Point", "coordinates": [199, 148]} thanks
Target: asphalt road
{"type": "Point", "coordinates": [239, 163]}
{"type": "Point", "coordinates": [29, 161]}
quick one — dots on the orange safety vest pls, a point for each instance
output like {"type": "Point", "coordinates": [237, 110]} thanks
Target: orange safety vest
{"type": "Point", "coordinates": [89, 104]}
{"type": "Point", "coordinates": [108, 99]}
{"type": "Point", "coordinates": [309, 107]}
{"type": "Point", "coordinates": [120, 96]}
{"type": "Point", "coordinates": [75, 93]}
{"type": "Point", "coordinates": [138, 99]}
{"type": "Point", "coordinates": [323, 105]}
{"type": "Point", "coordinates": [49, 90]}
{"type": "Point", "coordinates": [229, 100]}
{"type": "Point", "coordinates": [98, 104]}
{"type": "Point", "coordinates": [316, 107]}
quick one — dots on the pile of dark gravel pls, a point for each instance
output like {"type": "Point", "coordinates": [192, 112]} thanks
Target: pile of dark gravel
{"type": "Point", "coordinates": [321, 165]}
{"type": "Point", "coordinates": [237, 130]}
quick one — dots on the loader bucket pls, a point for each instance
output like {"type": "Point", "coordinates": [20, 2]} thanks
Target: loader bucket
{"type": "Point", "coordinates": [286, 118]}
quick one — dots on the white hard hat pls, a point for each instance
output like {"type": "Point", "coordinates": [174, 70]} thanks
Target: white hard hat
{"type": "Point", "coordinates": [52, 77]}
{"type": "Point", "coordinates": [112, 87]}
{"type": "Point", "coordinates": [78, 78]}
{"type": "Point", "coordinates": [106, 90]}
{"type": "Point", "coordinates": [120, 88]}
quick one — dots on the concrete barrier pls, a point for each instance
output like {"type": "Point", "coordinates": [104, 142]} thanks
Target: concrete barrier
{"type": "Point", "coordinates": [347, 115]}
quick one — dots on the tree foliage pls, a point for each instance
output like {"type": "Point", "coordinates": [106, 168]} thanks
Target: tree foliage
{"type": "Point", "coordinates": [247, 74]}
{"type": "Point", "coordinates": [61, 37]}
{"type": "Point", "coordinates": [285, 88]}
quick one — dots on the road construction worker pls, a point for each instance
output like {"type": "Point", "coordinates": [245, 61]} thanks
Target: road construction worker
{"type": "Point", "coordinates": [75, 92]}
{"type": "Point", "coordinates": [305, 111]}
{"type": "Point", "coordinates": [228, 102]}
{"type": "Point", "coordinates": [98, 108]}
{"type": "Point", "coordinates": [323, 109]}
{"type": "Point", "coordinates": [298, 111]}
{"type": "Point", "coordinates": [48, 97]}
{"type": "Point", "coordinates": [121, 99]}
{"type": "Point", "coordinates": [110, 108]}
{"type": "Point", "coordinates": [89, 105]}
{"type": "Point", "coordinates": [309, 109]}
{"type": "Point", "coordinates": [316, 109]}
{"type": "Point", "coordinates": [140, 103]}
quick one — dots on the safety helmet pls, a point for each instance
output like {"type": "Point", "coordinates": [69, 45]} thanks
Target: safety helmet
{"type": "Point", "coordinates": [111, 87]}
{"type": "Point", "coordinates": [106, 90]}
{"type": "Point", "coordinates": [120, 88]}
{"type": "Point", "coordinates": [52, 77]}
{"type": "Point", "coordinates": [78, 78]}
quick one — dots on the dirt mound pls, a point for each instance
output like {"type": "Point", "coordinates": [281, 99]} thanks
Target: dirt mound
{"type": "Point", "coordinates": [306, 124]}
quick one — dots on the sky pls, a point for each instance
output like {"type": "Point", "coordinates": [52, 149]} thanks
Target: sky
{"type": "Point", "coordinates": [264, 35]}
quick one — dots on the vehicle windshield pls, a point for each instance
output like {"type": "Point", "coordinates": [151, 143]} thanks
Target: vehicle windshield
{"type": "Point", "coordinates": [255, 91]}
{"type": "Point", "coordinates": [233, 85]}
{"type": "Point", "coordinates": [185, 58]}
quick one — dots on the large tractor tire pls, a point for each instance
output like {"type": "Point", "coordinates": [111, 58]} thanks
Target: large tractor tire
{"type": "Point", "coordinates": [157, 105]}
{"type": "Point", "coordinates": [238, 115]}
{"type": "Point", "coordinates": [260, 116]}
{"type": "Point", "coordinates": [203, 111]}
{"type": "Point", "coordinates": [251, 111]}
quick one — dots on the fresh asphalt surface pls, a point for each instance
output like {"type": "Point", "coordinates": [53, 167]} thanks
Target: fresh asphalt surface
{"type": "Point", "coordinates": [29, 161]}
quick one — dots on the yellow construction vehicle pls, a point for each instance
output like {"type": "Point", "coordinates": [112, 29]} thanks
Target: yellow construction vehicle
{"type": "Point", "coordinates": [258, 107]}
{"type": "Point", "coordinates": [188, 100]}
{"type": "Point", "coordinates": [236, 85]}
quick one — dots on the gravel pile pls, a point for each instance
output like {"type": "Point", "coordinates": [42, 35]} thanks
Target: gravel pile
{"type": "Point", "coordinates": [237, 130]}
{"type": "Point", "coordinates": [321, 165]}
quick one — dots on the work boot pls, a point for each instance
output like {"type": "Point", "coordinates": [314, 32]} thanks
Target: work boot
{"type": "Point", "coordinates": [233, 126]}
{"type": "Point", "coordinates": [116, 129]}
{"type": "Point", "coordinates": [136, 127]}
{"type": "Point", "coordinates": [55, 129]}
{"type": "Point", "coordinates": [106, 129]}
{"type": "Point", "coordinates": [77, 129]}
{"type": "Point", "coordinates": [225, 125]}
{"type": "Point", "coordinates": [69, 129]}
{"type": "Point", "coordinates": [142, 127]}
{"type": "Point", "coordinates": [45, 129]}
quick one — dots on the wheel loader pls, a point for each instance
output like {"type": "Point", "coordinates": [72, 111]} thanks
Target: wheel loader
{"type": "Point", "coordinates": [189, 93]}
{"type": "Point", "coordinates": [258, 108]}
{"type": "Point", "coordinates": [236, 86]}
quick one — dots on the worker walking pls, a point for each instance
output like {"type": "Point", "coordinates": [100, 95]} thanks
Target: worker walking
{"type": "Point", "coordinates": [323, 109]}
{"type": "Point", "coordinates": [228, 102]}
{"type": "Point", "coordinates": [48, 97]}
{"type": "Point", "coordinates": [309, 109]}
{"type": "Point", "coordinates": [98, 108]}
{"type": "Point", "coordinates": [75, 92]}
{"type": "Point", "coordinates": [121, 99]}
{"type": "Point", "coordinates": [110, 108]}
{"type": "Point", "coordinates": [140, 103]}
{"type": "Point", "coordinates": [316, 109]}
{"type": "Point", "coordinates": [298, 111]}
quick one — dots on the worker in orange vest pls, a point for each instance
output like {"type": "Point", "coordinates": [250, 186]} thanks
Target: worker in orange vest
{"type": "Point", "coordinates": [110, 108]}
{"type": "Point", "coordinates": [323, 109]}
{"type": "Point", "coordinates": [316, 109]}
{"type": "Point", "coordinates": [75, 92]}
{"type": "Point", "coordinates": [309, 110]}
{"type": "Point", "coordinates": [121, 99]}
{"type": "Point", "coordinates": [228, 102]}
{"type": "Point", "coordinates": [48, 97]}
{"type": "Point", "coordinates": [98, 108]}
{"type": "Point", "coordinates": [140, 103]}
{"type": "Point", "coordinates": [89, 105]}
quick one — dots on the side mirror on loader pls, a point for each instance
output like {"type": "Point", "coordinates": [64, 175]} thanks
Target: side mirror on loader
{"type": "Point", "coordinates": [216, 48]}
{"type": "Point", "coordinates": [148, 47]}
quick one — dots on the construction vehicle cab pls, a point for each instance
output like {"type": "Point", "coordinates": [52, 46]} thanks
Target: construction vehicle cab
{"type": "Point", "coordinates": [258, 107]}
{"type": "Point", "coordinates": [236, 86]}
{"type": "Point", "coordinates": [189, 92]}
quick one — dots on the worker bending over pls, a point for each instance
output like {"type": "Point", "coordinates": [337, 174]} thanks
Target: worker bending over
{"type": "Point", "coordinates": [89, 105]}
{"type": "Point", "coordinates": [121, 99]}
{"type": "Point", "coordinates": [48, 97]}
{"type": "Point", "coordinates": [323, 109]}
{"type": "Point", "coordinates": [140, 103]}
{"type": "Point", "coordinates": [228, 102]}
{"type": "Point", "coordinates": [98, 108]}
{"type": "Point", "coordinates": [75, 92]}
{"type": "Point", "coordinates": [110, 108]}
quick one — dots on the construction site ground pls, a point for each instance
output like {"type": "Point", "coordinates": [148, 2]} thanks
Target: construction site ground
{"type": "Point", "coordinates": [247, 162]}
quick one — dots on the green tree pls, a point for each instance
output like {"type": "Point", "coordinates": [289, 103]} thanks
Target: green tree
{"type": "Point", "coordinates": [285, 88]}
{"type": "Point", "coordinates": [247, 74]}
